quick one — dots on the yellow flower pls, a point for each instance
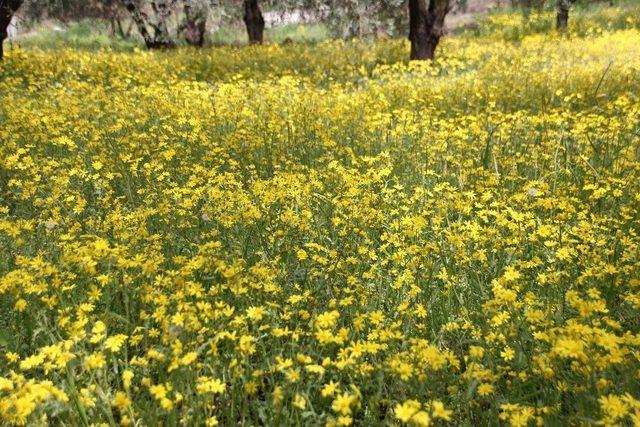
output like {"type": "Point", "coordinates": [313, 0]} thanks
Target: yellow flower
{"type": "Point", "coordinates": [302, 254]}
{"type": "Point", "coordinates": [166, 404]}
{"type": "Point", "coordinates": [421, 418]}
{"type": "Point", "coordinates": [210, 385]}
{"type": "Point", "coordinates": [94, 361]}
{"type": "Point", "coordinates": [20, 305]}
{"type": "Point", "coordinates": [6, 384]}
{"type": "Point", "coordinates": [569, 348]}
{"type": "Point", "coordinates": [329, 389]}
{"type": "Point", "coordinates": [406, 410]}
{"type": "Point", "coordinates": [12, 357]}
{"type": "Point", "coordinates": [613, 406]}
{"type": "Point", "coordinates": [32, 361]}
{"type": "Point", "coordinates": [299, 401]}
{"type": "Point", "coordinates": [476, 352]}
{"type": "Point", "coordinates": [293, 375]}
{"type": "Point", "coordinates": [277, 395]}
{"type": "Point", "coordinates": [127, 377]}
{"type": "Point", "coordinates": [98, 332]}
{"type": "Point", "coordinates": [344, 420]}
{"type": "Point", "coordinates": [188, 358]}
{"type": "Point", "coordinates": [121, 401]}
{"type": "Point", "coordinates": [256, 313]}
{"type": "Point", "coordinates": [342, 403]}
{"type": "Point", "coordinates": [485, 389]}
{"type": "Point", "coordinates": [507, 354]}
{"type": "Point", "coordinates": [86, 399]}
{"type": "Point", "coordinates": [327, 319]}
{"type": "Point", "coordinates": [159, 391]}
{"type": "Point", "coordinates": [439, 411]}
{"type": "Point", "coordinates": [114, 343]}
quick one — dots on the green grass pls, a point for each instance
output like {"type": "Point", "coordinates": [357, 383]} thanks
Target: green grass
{"type": "Point", "coordinates": [86, 35]}
{"type": "Point", "coordinates": [95, 35]}
{"type": "Point", "coordinates": [298, 33]}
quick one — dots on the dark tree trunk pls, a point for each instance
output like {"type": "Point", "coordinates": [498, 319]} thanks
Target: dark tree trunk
{"type": "Point", "coordinates": [7, 9]}
{"type": "Point", "coordinates": [562, 15]}
{"type": "Point", "coordinates": [426, 26]}
{"type": "Point", "coordinates": [195, 25]}
{"type": "Point", "coordinates": [159, 38]}
{"type": "Point", "coordinates": [254, 21]}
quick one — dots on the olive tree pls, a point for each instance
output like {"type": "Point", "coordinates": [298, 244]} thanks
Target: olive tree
{"type": "Point", "coordinates": [426, 26]}
{"type": "Point", "coordinates": [254, 21]}
{"type": "Point", "coordinates": [194, 25]}
{"type": "Point", "coordinates": [562, 13]}
{"type": "Point", "coordinates": [362, 18]}
{"type": "Point", "coordinates": [7, 9]}
{"type": "Point", "coordinates": [151, 21]}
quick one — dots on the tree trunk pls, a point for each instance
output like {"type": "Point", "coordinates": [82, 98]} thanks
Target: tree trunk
{"type": "Point", "coordinates": [120, 29]}
{"type": "Point", "coordinates": [426, 26]}
{"type": "Point", "coordinates": [7, 10]}
{"type": "Point", "coordinates": [195, 25]}
{"type": "Point", "coordinates": [129, 29]}
{"type": "Point", "coordinates": [254, 21]}
{"type": "Point", "coordinates": [139, 18]}
{"type": "Point", "coordinates": [160, 37]}
{"type": "Point", "coordinates": [562, 16]}
{"type": "Point", "coordinates": [162, 9]}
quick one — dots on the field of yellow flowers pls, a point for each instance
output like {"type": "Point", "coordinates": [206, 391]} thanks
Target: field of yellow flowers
{"type": "Point", "coordinates": [325, 234]}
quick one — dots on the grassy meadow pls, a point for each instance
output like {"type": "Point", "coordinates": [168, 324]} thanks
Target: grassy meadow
{"type": "Point", "coordinates": [324, 233]}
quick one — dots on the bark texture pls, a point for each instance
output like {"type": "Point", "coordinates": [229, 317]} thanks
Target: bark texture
{"type": "Point", "coordinates": [254, 21]}
{"type": "Point", "coordinates": [158, 37]}
{"type": "Point", "coordinates": [426, 26]}
{"type": "Point", "coordinates": [562, 14]}
{"type": "Point", "coordinates": [7, 9]}
{"type": "Point", "coordinates": [195, 24]}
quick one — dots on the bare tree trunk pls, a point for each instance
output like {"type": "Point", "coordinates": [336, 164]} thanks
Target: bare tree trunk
{"type": "Point", "coordinates": [162, 9]}
{"type": "Point", "coordinates": [139, 19]}
{"type": "Point", "coordinates": [7, 9]}
{"type": "Point", "coordinates": [254, 21]}
{"type": "Point", "coordinates": [160, 37]}
{"type": "Point", "coordinates": [195, 24]}
{"type": "Point", "coordinates": [562, 16]}
{"type": "Point", "coordinates": [426, 26]}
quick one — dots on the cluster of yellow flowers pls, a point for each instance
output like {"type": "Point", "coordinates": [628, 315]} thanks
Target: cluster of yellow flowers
{"type": "Point", "coordinates": [188, 239]}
